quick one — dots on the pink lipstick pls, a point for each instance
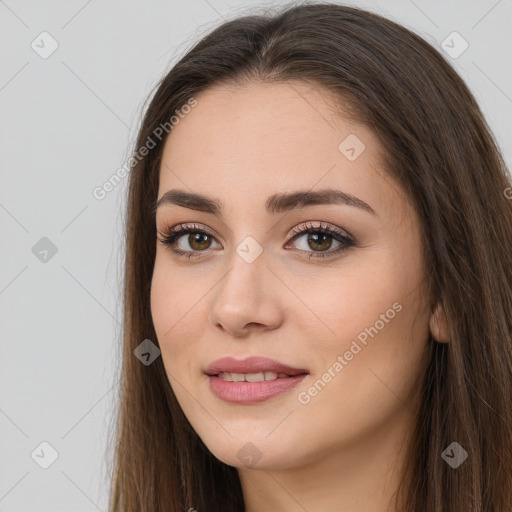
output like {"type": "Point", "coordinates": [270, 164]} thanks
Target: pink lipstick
{"type": "Point", "coordinates": [251, 380]}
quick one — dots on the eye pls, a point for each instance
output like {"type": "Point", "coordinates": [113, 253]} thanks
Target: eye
{"type": "Point", "coordinates": [319, 238]}
{"type": "Point", "coordinates": [198, 240]}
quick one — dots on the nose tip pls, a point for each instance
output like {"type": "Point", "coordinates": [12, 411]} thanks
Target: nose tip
{"type": "Point", "coordinates": [243, 304]}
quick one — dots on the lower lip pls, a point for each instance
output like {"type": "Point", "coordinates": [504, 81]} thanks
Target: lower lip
{"type": "Point", "coordinates": [251, 392]}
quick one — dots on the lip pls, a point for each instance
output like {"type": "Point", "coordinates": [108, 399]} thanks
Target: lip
{"type": "Point", "coordinates": [251, 364]}
{"type": "Point", "coordinates": [251, 392]}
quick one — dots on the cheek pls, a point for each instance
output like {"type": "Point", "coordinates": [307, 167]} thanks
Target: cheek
{"type": "Point", "coordinates": [374, 381]}
{"type": "Point", "coordinates": [376, 318]}
{"type": "Point", "coordinates": [379, 317]}
{"type": "Point", "coordinates": [174, 294]}
{"type": "Point", "coordinates": [346, 302]}
{"type": "Point", "coordinates": [173, 306]}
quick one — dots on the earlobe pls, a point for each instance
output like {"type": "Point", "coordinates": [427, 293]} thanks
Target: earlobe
{"type": "Point", "coordinates": [439, 325]}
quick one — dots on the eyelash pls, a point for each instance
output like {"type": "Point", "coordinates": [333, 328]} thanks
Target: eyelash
{"type": "Point", "coordinates": [169, 238]}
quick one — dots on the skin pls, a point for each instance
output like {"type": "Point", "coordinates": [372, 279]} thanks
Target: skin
{"type": "Point", "coordinates": [343, 450]}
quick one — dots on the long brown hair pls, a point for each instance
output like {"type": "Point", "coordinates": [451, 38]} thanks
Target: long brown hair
{"type": "Point", "coordinates": [440, 148]}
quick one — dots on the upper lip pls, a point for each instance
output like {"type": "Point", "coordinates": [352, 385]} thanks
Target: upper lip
{"type": "Point", "coordinates": [254, 364]}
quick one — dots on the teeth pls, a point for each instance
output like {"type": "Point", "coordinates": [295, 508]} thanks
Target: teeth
{"type": "Point", "coordinates": [250, 377]}
{"type": "Point", "coordinates": [255, 377]}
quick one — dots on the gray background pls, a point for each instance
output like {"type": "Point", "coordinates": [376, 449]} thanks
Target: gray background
{"type": "Point", "coordinates": [67, 122]}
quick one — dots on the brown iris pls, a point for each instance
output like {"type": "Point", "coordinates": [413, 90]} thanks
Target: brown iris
{"type": "Point", "coordinates": [325, 244]}
{"type": "Point", "coordinates": [203, 241]}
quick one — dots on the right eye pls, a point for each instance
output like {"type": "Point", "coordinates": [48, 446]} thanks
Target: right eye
{"type": "Point", "coordinates": [198, 240]}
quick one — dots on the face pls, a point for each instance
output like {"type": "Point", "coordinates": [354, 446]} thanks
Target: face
{"type": "Point", "coordinates": [328, 289]}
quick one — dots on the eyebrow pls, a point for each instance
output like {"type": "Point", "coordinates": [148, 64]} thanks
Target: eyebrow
{"type": "Point", "coordinates": [276, 203]}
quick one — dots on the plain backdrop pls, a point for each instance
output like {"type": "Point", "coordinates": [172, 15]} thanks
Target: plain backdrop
{"type": "Point", "coordinates": [67, 121]}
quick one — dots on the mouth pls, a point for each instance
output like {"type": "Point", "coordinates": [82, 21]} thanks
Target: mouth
{"type": "Point", "coordinates": [251, 377]}
{"type": "Point", "coordinates": [251, 380]}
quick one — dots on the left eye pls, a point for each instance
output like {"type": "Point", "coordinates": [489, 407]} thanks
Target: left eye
{"type": "Point", "coordinates": [319, 238]}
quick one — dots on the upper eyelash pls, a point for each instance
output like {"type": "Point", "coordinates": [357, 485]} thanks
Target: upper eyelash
{"type": "Point", "coordinates": [322, 228]}
{"type": "Point", "coordinates": [341, 236]}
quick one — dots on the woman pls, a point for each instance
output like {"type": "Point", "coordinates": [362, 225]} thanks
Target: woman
{"type": "Point", "coordinates": [317, 259]}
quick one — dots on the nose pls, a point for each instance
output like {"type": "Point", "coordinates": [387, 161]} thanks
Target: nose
{"type": "Point", "coordinates": [248, 298]}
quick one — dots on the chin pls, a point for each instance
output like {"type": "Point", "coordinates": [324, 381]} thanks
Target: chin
{"type": "Point", "coordinates": [253, 451]}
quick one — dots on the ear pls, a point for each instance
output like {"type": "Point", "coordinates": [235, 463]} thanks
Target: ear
{"type": "Point", "coordinates": [439, 325]}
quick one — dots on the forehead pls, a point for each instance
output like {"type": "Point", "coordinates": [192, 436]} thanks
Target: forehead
{"type": "Point", "coordinates": [259, 139]}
